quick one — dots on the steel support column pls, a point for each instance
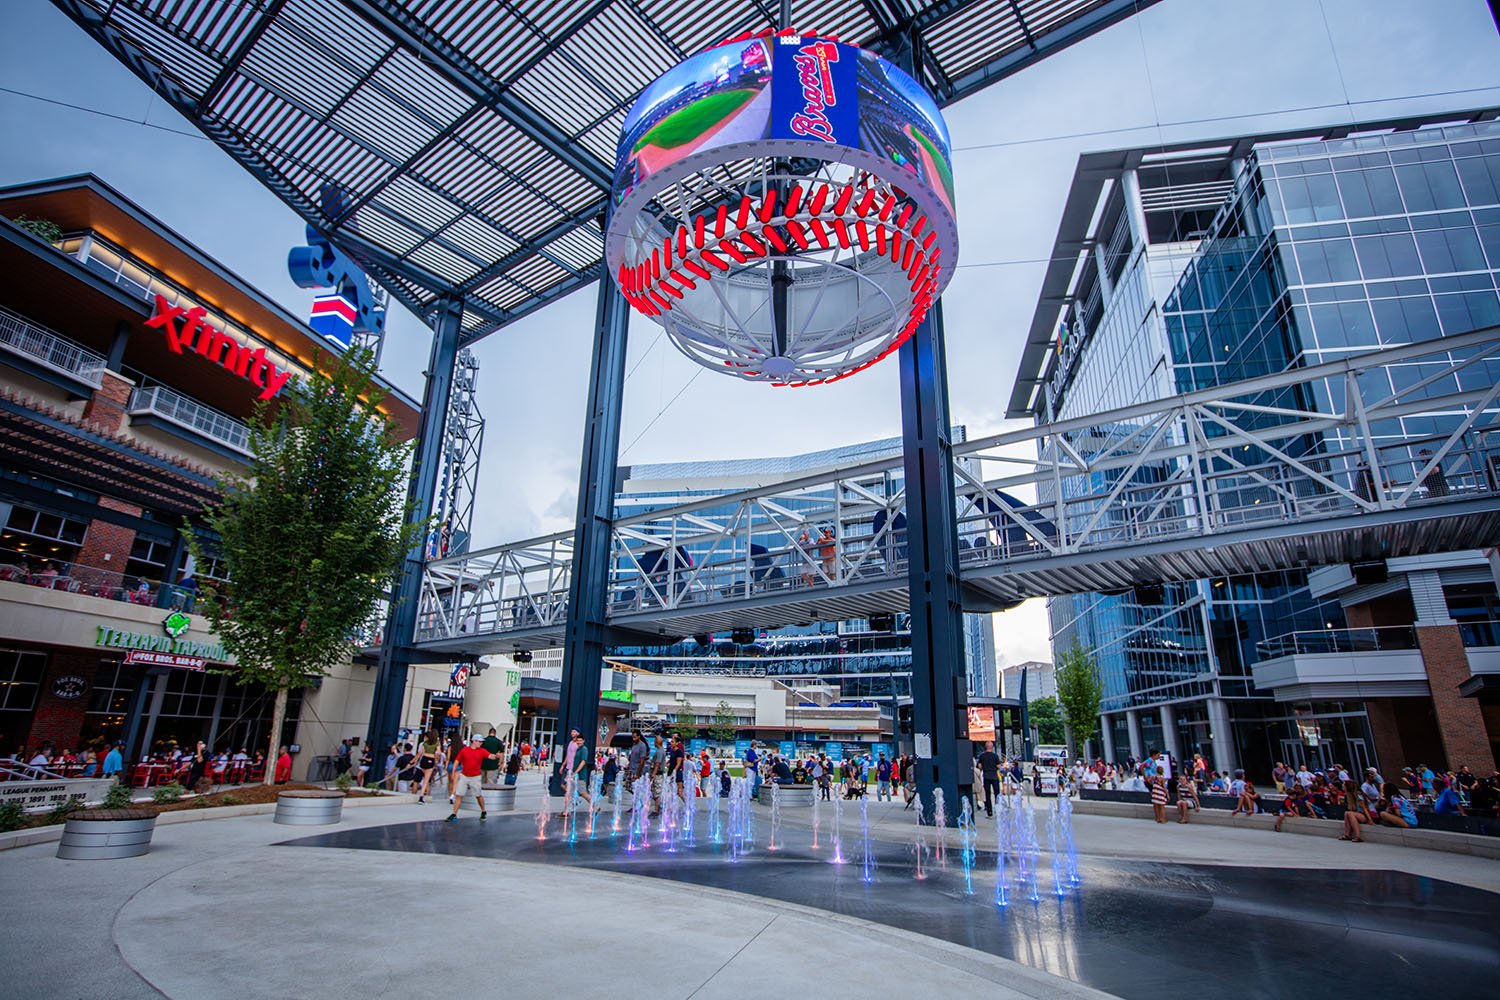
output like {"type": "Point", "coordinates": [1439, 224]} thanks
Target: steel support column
{"type": "Point", "coordinates": [938, 675]}
{"type": "Point", "coordinates": [583, 642]}
{"type": "Point", "coordinates": [396, 652]}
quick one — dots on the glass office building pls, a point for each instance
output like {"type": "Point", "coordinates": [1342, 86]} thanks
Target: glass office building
{"type": "Point", "coordinates": [869, 659]}
{"type": "Point", "coordinates": [1194, 266]}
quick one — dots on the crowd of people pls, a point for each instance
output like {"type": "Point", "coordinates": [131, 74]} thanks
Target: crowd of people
{"type": "Point", "coordinates": [195, 768]}
{"type": "Point", "coordinates": [1299, 792]}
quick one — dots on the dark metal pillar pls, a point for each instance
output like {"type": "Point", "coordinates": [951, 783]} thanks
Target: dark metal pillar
{"type": "Point", "coordinates": [401, 620]}
{"type": "Point", "coordinates": [939, 686]}
{"type": "Point", "coordinates": [116, 359]}
{"type": "Point", "coordinates": [583, 642]}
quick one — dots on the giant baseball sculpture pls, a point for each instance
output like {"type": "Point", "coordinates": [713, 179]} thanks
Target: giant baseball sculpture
{"type": "Point", "coordinates": [783, 207]}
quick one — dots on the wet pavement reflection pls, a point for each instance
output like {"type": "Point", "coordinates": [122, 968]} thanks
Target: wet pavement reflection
{"type": "Point", "coordinates": [1135, 929]}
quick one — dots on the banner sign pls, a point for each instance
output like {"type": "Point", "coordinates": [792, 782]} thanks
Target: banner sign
{"type": "Point", "coordinates": [695, 747]}
{"type": "Point", "coordinates": [787, 748]}
{"type": "Point", "coordinates": [835, 752]}
{"type": "Point", "coordinates": [150, 659]}
{"type": "Point", "coordinates": [741, 747]}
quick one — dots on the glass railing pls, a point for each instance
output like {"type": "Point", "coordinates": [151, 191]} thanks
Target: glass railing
{"type": "Point", "coordinates": [1480, 633]}
{"type": "Point", "coordinates": [36, 569]}
{"type": "Point", "coordinates": [193, 415]}
{"type": "Point", "coordinates": [1340, 640]}
{"type": "Point", "coordinates": [20, 336]}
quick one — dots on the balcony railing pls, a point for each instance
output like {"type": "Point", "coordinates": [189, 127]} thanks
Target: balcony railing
{"type": "Point", "coordinates": [1341, 640]}
{"type": "Point", "coordinates": [41, 346]}
{"type": "Point", "coordinates": [162, 402]}
{"type": "Point", "coordinates": [1480, 633]}
{"type": "Point", "coordinates": [38, 569]}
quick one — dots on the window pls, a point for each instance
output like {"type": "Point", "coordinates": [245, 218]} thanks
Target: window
{"type": "Point", "coordinates": [1370, 192]}
{"type": "Point", "coordinates": [1429, 186]}
{"type": "Point", "coordinates": [113, 686]}
{"type": "Point", "coordinates": [20, 679]}
{"type": "Point", "coordinates": [1387, 256]}
{"type": "Point", "coordinates": [148, 559]}
{"type": "Point", "coordinates": [1311, 199]}
{"type": "Point", "coordinates": [1447, 250]}
{"type": "Point", "coordinates": [1327, 261]}
{"type": "Point", "coordinates": [36, 533]}
{"type": "Point", "coordinates": [1481, 179]}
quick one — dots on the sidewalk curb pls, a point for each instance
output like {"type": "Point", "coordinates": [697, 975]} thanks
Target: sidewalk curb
{"type": "Point", "coordinates": [48, 834]}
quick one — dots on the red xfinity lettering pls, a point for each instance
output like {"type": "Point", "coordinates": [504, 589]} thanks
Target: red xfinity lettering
{"type": "Point", "coordinates": [217, 346]}
{"type": "Point", "coordinates": [817, 90]}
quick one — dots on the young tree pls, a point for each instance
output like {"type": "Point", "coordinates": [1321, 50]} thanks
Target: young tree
{"type": "Point", "coordinates": [1079, 691]}
{"type": "Point", "coordinates": [1049, 725]}
{"type": "Point", "coordinates": [725, 728]}
{"type": "Point", "coordinates": [687, 721]}
{"type": "Point", "coordinates": [311, 538]}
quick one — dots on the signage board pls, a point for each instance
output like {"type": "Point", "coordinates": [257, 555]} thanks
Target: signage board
{"type": "Point", "coordinates": [787, 748]}
{"type": "Point", "coordinates": [923, 743]}
{"type": "Point", "coordinates": [881, 748]}
{"type": "Point", "coordinates": [49, 793]}
{"type": "Point", "coordinates": [695, 747]}
{"type": "Point", "coordinates": [174, 660]}
{"type": "Point", "coordinates": [118, 639]}
{"type": "Point", "coordinates": [217, 346]}
{"type": "Point", "coordinates": [741, 747]}
{"type": "Point", "coordinates": [981, 723]}
{"type": "Point", "coordinates": [835, 752]}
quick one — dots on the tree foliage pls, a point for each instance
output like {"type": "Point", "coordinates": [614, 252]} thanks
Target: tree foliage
{"type": "Point", "coordinates": [686, 723]}
{"type": "Point", "coordinates": [725, 728]}
{"type": "Point", "coordinates": [1043, 714]}
{"type": "Point", "coordinates": [1079, 691]}
{"type": "Point", "coordinates": [312, 536]}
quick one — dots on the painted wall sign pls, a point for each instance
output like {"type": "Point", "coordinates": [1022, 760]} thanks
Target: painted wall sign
{"type": "Point", "coordinates": [217, 346]}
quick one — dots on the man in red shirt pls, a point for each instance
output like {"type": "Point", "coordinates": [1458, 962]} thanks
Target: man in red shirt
{"type": "Point", "coordinates": [470, 763]}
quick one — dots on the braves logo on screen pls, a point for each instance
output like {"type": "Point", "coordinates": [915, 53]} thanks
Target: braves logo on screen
{"type": "Point", "coordinates": [813, 61]}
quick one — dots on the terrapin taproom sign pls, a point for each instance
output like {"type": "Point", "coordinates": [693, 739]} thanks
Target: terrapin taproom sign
{"type": "Point", "coordinates": [186, 331]}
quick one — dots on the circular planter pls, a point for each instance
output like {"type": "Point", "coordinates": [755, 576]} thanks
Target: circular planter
{"type": "Point", "coordinates": [311, 807]}
{"type": "Point", "coordinates": [105, 834]}
{"type": "Point", "coordinates": [496, 798]}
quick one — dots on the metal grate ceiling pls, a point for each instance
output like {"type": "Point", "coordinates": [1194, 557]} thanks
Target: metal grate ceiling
{"type": "Point", "coordinates": [476, 137]}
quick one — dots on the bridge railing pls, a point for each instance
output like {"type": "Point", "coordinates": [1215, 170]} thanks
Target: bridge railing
{"type": "Point", "coordinates": [1380, 432]}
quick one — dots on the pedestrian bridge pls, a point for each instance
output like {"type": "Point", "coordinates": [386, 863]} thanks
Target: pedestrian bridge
{"type": "Point", "coordinates": [1377, 455]}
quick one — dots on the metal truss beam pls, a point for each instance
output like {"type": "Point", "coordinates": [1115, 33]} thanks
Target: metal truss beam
{"type": "Point", "coordinates": [411, 33]}
{"type": "Point", "coordinates": [1218, 482]}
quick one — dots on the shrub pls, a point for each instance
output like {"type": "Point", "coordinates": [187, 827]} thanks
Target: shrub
{"type": "Point", "coordinates": [60, 812]}
{"type": "Point", "coordinates": [229, 800]}
{"type": "Point", "coordinates": [118, 797]}
{"type": "Point", "coordinates": [12, 816]}
{"type": "Point", "coordinates": [168, 793]}
{"type": "Point", "coordinates": [344, 782]}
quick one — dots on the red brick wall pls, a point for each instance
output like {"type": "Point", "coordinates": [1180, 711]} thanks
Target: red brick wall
{"type": "Point", "coordinates": [1387, 736]}
{"type": "Point", "coordinates": [60, 721]}
{"type": "Point", "coordinates": [105, 409]}
{"type": "Point", "coordinates": [1460, 720]}
{"type": "Point", "coordinates": [105, 538]}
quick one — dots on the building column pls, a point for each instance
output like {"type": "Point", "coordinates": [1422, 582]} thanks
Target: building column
{"type": "Point", "coordinates": [584, 643]}
{"type": "Point", "coordinates": [158, 695]}
{"type": "Point", "coordinates": [938, 683]}
{"type": "Point", "coordinates": [1130, 187]}
{"type": "Point", "coordinates": [1460, 720]}
{"type": "Point", "coordinates": [396, 653]}
{"type": "Point", "coordinates": [1221, 732]}
{"type": "Point", "coordinates": [1385, 732]}
{"type": "Point", "coordinates": [1172, 745]}
{"type": "Point", "coordinates": [1107, 734]}
{"type": "Point", "coordinates": [1133, 726]}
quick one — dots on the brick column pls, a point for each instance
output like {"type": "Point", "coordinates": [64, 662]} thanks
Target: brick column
{"type": "Point", "coordinates": [1386, 733]}
{"type": "Point", "coordinates": [106, 548]}
{"type": "Point", "coordinates": [105, 410]}
{"type": "Point", "coordinates": [59, 721]}
{"type": "Point", "coordinates": [1460, 720]}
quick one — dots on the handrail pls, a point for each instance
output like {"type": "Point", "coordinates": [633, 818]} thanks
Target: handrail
{"type": "Point", "coordinates": [192, 415]}
{"type": "Point", "coordinates": [51, 350]}
{"type": "Point", "coordinates": [1382, 638]}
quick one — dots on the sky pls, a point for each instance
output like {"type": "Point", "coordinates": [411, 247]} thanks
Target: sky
{"type": "Point", "coordinates": [1180, 70]}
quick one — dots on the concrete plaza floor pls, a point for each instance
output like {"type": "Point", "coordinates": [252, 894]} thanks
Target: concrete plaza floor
{"type": "Point", "coordinates": [215, 910]}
